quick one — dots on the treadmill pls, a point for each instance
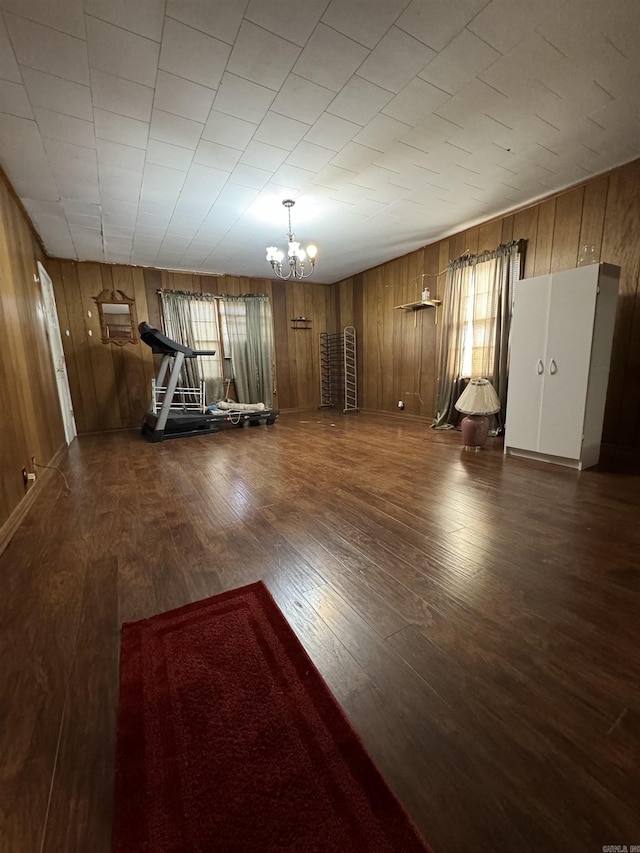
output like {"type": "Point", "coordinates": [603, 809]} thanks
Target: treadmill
{"type": "Point", "coordinates": [173, 412]}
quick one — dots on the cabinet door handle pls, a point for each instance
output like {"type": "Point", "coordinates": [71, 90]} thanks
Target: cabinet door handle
{"type": "Point", "coordinates": [540, 367]}
{"type": "Point", "coordinates": [553, 367]}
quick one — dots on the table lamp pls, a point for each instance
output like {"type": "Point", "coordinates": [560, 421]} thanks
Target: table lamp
{"type": "Point", "coordinates": [477, 401]}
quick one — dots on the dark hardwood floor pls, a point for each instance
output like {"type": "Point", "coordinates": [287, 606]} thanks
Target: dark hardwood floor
{"type": "Point", "coordinates": [477, 617]}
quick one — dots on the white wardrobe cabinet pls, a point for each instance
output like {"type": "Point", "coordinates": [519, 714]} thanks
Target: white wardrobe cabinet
{"type": "Point", "coordinates": [561, 337]}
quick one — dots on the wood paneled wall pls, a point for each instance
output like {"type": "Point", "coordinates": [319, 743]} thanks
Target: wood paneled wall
{"type": "Point", "coordinates": [30, 420]}
{"type": "Point", "coordinates": [111, 385]}
{"type": "Point", "coordinates": [398, 348]}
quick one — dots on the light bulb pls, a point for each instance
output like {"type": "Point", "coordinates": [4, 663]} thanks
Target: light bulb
{"type": "Point", "coordinates": [312, 251]}
{"type": "Point", "coordinates": [272, 251]}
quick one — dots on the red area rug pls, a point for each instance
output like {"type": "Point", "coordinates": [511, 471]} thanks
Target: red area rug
{"type": "Point", "coordinates": [229, 740]}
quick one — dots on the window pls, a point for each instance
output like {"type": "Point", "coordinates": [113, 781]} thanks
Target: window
{"type": "Point", "coordinates": [206, 335]}
{"type": "Point", "coordinates": [478, 339]}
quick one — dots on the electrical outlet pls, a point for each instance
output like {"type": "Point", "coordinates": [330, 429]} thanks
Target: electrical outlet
{"type": "Point", "coordinates": [25, 476]}
{"type": "Point", "coordinates": [400, 404]}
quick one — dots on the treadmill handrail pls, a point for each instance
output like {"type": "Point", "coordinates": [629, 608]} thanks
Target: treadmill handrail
{"type": "Point", "coordinates": [163, 345]}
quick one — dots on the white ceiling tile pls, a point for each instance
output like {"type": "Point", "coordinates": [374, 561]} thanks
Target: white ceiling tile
{"type": "Point", "coordinates": [464, 58]}
{"type": "Point", "coordinates": [242, 98]}
{"type": "Point", "coordinates": [264, 156]}
{"type": "Point", "coordinates": [121, 155]}
{"type": "Point", "coordinates": [281, 131]}
{"type": "Point", "coordinates": [47, 50]}
{"type": "Point", "coordinates": [151, 224]}
{"type": "Point", "coordinates": [355, 157]}
{"type": "Point", "coordinates": [81, 208]}
{"type": "Point", "coordinates": [308, 156]}
{"type": "Point", "coordinates": [44, 208]}
{"type": "Point", "coordinates": [89, 193]}
{"type": "Point", "coordinates": [161, 185]}
{"type": "Point", "coordinates": [436, 22]}
{"type": "Point", "coordinates": [204, 181]}
{"type": "Point", "coordinates": [250, 176]}
{"type": "Point", "coordinates": [119, 211]}
{"type": "Point", "coordinates": [55, 235]}
{"type": "Point", "coordinates": [117, 128]}
{"type": "Point", "coordinates": [144, 17]}
{"type": "Point", "coordinates": [228, 130]}
{"type": "Point", "coordinates": [193, 55]}
{"type": "Point", "coordinates": [218, 156]}
{"type": "Point", "coordinates": [381, 131]}
{"type": "Point", "coordinates": [329, 59]}
{"type": "Point", "coordinates": [194, 206]}
{"type": "Point", "coordinates": [119, 184]}
{"type": "Point", "coordinates": [88, 243]}
{"type": "Point", "coordinates": [300, 18]}
{"type": "Point", "coordinates": [175, 130]}
{"type": "Point", "coordinates": [114, 230]}
{"type": "Point", "coordinates": [220, 19]}
{"type": "Point", "coordinates": [292, 177]}
{"type": "Point", "coordinates": [181, 230]}
{"type": "Point", "coordinates": [121, 53]}
{"type": "Point", "coordinates": [475, 98]}
{"type": "Point", "coordinates": [415, 102]}
{"type": "Point", "coordinates": [235, 199]}
{"type": "Point", "coordinates": [73, 170]}
{"type": "Point", "coordinates": [8, 66]}
{"type": "Point", "coordinates": [302, 100]}
{"type": "Point", "coordinates": [359, 101]}
{"type": "Point", "coordinates": [63, 15]}
{"type": "Point", "coordinates": [65, 128]}
{"type": "Point", "coordinates": [361, 20]}
{"type": "Point", "coordinates": [14, 99]}
{"type": "Point", "coordinates": [57, 94]}
{"type": "Point", "coordinates": [196, 254]}
{"type": "Point", "coordinates": [368, 207]}
{"type": "Point", "coordinates": [332, 132]}
{"type": "Point", "coordinates": [533, 59]}
{"type": "Point", "coordinates": [395, 61]}
{"type": "Point", "coordinates": [94, 222]}
{"type": "Point", "coordinates": [172, 156]}
{"type": "Point", "coordinates": [182, 97]}
{"type": "Point", "coordinates": [118, 95]}
{"type": "Point", "coordinates": [503, 23]}
{"type": "Point", "coordinates": [333, 176]}
{"type": "Point", "coordinates": [262, 57]}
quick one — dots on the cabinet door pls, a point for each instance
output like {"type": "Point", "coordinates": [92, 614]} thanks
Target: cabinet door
{"type": "Point", "coordinates": [527, 362]}
{"type": "Point", "coordinates": [568, 355]}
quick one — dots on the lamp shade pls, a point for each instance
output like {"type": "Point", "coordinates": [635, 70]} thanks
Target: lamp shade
{"type": "Point", "coordinates": [478, 398]}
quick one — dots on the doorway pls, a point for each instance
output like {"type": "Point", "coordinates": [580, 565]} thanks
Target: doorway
{"type": "Point", "coordinates": [57, 354]}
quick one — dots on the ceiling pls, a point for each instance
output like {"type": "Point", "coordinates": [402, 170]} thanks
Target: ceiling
{"type": "Point", "coordinates": [167, 132]}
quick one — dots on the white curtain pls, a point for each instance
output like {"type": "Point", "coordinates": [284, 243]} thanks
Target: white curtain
{"type": "Point", "coordinates": [474, 330]}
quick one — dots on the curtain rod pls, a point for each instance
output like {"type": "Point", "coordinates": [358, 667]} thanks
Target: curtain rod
{"type": "Point", "coordinates": [189, 293]}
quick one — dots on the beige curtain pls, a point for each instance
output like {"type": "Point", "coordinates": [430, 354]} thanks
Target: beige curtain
{"type": "Point", "coordinates": [474, 329]}
{"type": "Point", "coordinates": [250, 330]}
{"type": "Point", "coordinates": [192, 319]}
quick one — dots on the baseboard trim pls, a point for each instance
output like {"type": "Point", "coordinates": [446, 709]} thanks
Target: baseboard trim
{"type": "Point", "coordinates": [8, 529]}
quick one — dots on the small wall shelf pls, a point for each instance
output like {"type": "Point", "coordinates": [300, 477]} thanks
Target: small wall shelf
{"type": "Point", "coordinates": [416, 306]}
{"type": "Point", "coordinates": [300, 323]}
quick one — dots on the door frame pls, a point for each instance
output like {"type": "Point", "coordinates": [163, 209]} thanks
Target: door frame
{"type": "Point", "coordinates": [54, 337]}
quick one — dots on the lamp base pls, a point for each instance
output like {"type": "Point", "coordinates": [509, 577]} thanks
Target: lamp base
{"type": "Point", "coordinates": [475, 429]}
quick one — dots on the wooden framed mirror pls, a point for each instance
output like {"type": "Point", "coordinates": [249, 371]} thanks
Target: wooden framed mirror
{"type": "Point", "coordinates": [118, 320]}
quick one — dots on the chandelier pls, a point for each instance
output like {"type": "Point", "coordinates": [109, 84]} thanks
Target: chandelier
{"type": "Point", "coordinates": [296, 255]}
